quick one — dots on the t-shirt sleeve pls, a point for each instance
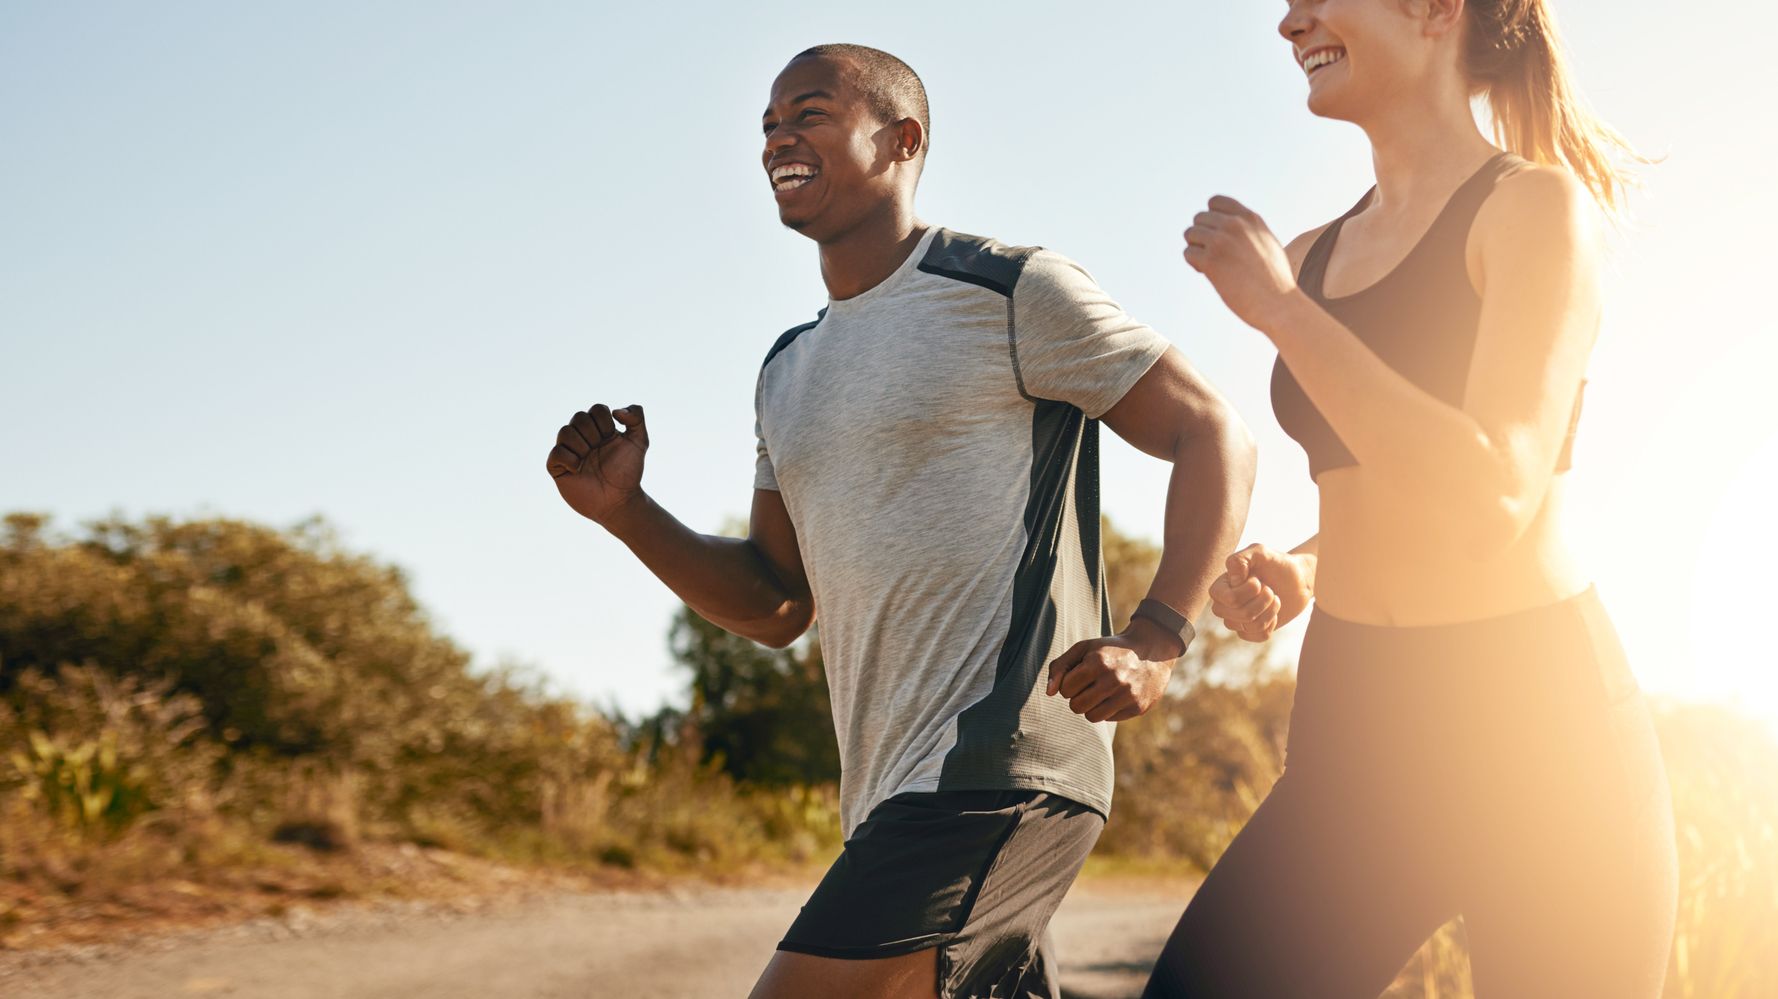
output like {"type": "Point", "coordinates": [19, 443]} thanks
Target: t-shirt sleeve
{"type": "Point", "coordinates": [1071, 343]}
{"type": "Point", "coordinates": [764, 476]}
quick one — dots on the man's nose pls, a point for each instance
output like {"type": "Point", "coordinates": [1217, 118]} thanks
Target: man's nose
{"type": "Point", "coordinates": [780, 140]}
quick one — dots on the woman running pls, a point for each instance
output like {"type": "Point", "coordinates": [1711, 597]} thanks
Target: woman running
{"type": "Point", "coordinates": [1467, 739]}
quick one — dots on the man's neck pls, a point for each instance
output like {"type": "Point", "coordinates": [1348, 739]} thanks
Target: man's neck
{"type": "Point", "coordinates": [859, 260]}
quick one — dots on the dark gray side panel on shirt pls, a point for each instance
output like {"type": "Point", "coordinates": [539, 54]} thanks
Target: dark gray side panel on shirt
{"type": "Point", "coordinates": [992, 740]}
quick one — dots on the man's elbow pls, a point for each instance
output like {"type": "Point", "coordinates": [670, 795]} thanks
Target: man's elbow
{"type": "Point", "coordinates": [781, 630]}
{"type": "Point", "coordinates": [1222, 429]}
{"type": "Point", "coordinates": [777, 638]}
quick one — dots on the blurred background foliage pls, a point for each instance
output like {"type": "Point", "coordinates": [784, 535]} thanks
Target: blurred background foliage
{"type": "Point", "coordinates": [181, 700]}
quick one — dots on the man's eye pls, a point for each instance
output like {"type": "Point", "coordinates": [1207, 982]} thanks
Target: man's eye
{"type": "Point", "coordinates": [810, 111]}
{"type": "Point", "coordinates": [769, 126]}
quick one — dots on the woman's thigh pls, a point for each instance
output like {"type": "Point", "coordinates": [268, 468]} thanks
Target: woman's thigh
{"type": "Point", "coordinates": [1322, 894]}
{"type": "Point", "coordinates": [1576, 882]}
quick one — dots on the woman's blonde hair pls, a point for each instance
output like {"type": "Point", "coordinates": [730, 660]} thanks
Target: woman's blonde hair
{"type": "Point", "coordinates": [1513, 55]}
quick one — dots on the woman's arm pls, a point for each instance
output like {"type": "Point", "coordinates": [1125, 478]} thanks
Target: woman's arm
{"type": "Point", "coordinates": [1489, 463]}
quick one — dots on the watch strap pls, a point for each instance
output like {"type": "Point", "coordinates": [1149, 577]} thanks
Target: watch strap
{"type": "Point", "coordinates": [1169, 619]}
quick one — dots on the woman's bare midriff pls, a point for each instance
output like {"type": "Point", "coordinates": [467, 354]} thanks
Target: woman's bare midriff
{"type": "Point", "coordinates": [1385, 560]}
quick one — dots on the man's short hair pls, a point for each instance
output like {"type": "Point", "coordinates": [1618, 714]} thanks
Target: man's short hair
{"type": "Point", "coordinates": [891, 86]}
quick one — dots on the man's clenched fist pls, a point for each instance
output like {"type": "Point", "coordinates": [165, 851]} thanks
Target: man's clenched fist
{"type": "Point", "coordinates": [1114, 678]}
{"type": "Point", "coordinates": [596, 466]}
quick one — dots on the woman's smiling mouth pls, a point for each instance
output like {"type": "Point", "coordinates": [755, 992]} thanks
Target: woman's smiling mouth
{"type": "Point", "coordinates": [1326, 55]}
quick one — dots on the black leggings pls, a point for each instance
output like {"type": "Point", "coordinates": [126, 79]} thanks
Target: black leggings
{"type": "Point", "coordinates": [1502, 770]}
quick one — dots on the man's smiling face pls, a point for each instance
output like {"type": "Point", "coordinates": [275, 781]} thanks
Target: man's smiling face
{"type": "Point", "coordinates": [828, 155]}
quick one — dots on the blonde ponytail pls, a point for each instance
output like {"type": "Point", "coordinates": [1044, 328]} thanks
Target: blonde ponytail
{"type": "Point", "coordinates": [1515, 59]}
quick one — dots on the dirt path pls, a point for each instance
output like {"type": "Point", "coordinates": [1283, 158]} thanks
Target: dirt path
{"type": "Point", "coordinates": [654, 945]}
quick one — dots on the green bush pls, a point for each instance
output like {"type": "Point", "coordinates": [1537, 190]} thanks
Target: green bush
{"type": "Point", "coordinates": [86, 787]}
{"type": "Point", "coordinates": [97, 752]}
{"type": "Point", "coordinates": [290, 649]}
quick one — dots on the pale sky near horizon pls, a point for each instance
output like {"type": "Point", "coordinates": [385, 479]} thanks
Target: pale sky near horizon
{"type": "Point", "coordinates": [274, 260]}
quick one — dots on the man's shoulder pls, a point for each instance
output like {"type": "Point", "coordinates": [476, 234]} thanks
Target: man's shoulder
{"type": "Point", "coordinates": [789, 336]}
{"type": "Point", "coordinates": [978, 260]}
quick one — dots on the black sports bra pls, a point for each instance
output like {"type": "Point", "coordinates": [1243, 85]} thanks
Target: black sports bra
{"type": "Point", "coordinates": [1421, 319]}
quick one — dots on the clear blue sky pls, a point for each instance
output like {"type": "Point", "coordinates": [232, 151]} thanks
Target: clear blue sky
{"type": "Point", "coordinates": [268, 260]}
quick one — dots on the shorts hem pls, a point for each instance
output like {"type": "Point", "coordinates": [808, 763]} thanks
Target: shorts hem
{"type": "Point", "coordinates": [1081, 796]}
{"type": "Point", "coordinates": [865, 952]}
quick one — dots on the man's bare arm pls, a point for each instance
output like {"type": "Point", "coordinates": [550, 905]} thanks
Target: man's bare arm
{"type": "Point", "coordinates": [753, 586]}
{"type": "Point", "coordinates": [1171, 413]}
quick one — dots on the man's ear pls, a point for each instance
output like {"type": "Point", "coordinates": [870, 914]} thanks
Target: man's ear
{"type": "Point", "coordinates": [1444, 16]}
{"type": "Point", "coordinates": [910, 139]}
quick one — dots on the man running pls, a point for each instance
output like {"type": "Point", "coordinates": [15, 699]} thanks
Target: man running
{"type": "Point", "coordinates": [928, 477]}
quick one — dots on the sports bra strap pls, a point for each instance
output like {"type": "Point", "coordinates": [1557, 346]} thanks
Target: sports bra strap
{"type": "Point", "coordinates": [1314, 268]}
{"type": "Point", "coordinates": [1459, 209]}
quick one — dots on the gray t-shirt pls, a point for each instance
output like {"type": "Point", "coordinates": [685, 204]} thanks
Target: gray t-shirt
{"type": "Point", "coordinates": [935, 440]}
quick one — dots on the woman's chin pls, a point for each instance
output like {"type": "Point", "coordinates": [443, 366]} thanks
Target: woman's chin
{"type": "Point", "coordinates": [1323, 104]}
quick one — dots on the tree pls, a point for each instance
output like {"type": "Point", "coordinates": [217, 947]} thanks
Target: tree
{"type": "Point", "coordinates": [761, 714]}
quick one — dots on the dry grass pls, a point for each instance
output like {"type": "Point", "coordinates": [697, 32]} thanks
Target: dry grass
{"type": "Point", "coordinates": [61, 881]}
{"type": "Point", "coordinates": [1724, 771]}
{"type": "Point", "coordinates": [116, 812]}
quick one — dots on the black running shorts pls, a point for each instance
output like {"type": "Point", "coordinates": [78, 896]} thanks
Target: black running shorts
{"type": "Point", "coordinates": [975, 874]}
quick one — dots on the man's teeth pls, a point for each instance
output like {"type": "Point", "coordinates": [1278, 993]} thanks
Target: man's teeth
{"type": "Point", "coordinates": [791, 176]}
{"type": "Point", "coordinates": [1321, 58]}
